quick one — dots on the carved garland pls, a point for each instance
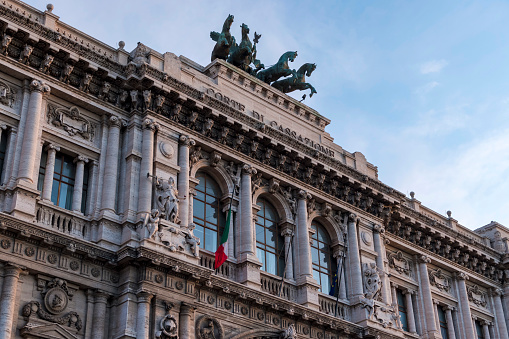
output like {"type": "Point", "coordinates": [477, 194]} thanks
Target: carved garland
{"type": "Point", "coordinates": [398, 262]}
{"type": "Point", "coordinates": [477, 296]}
{"type": "Point", "coordinates": [439, 280]}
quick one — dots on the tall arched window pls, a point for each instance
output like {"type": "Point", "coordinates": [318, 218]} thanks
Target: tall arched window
{"type": "Point", "coordinates": [323, 263]}
{"type": "Point", "coordinates": [206, 214]}
{"type": "Point", "coordinates": [269, 242]}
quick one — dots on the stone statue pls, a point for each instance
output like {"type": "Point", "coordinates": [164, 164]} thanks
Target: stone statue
{"type": "Point", "coordinates": [191, 239]}
{"type": "Point", "coordinates": [289, 333]}
{"type": "Point", "coordinates": [151, 223]}
{"type": "Point", "coordinates": [280, 69]}
{"type": "Point", "coordinates": [224, 40]}
{"type": "Point", "coordinates": [25, 54]}
{"type": "Point", "coordinates": [244, 54]}
{"type": "Point", "coordinates": [372, 281]}
{"type": "Point", "coordinates": [207, 332]}
{"type": "Point", "coordinates": [167, 201]}
{"type": "Point", "coordinates": [297, 81]}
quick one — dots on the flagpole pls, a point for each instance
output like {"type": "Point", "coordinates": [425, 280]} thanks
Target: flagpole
{"type": "Point", "coordinates": [286, 262]}
{"type": "Point", "coordinates": [231, 219]}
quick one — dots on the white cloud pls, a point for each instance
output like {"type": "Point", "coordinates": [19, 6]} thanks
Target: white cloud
{"type": "Point", "coordinates": [433, 66]}
{"type": "Point", "coordinates": [423, 90]}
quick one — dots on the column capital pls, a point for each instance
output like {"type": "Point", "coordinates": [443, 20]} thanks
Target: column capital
{"type": "Point", "coordinates": [394, 285]}
{"type": "Point", "coordinates": [150, 124]}
{"type": "Point", "coordinates": [3, 126]}
{"type": "Point", "coordinates": [144, 297]}
{"type": "Point", "coordinates": [352, 217]}
{"type": "Point", "coordinates": [52, 147]}
{"type": "Point", "coordinates": [497, 292]}
{"type": "Point", "coordinates": [485, 322]}
{"type": "Point", "coordinates": [101, 296]}
{"type": "Point", "coordinates": [408, 291]}
{"type": "Point", "coordinates": [114, 121]}
{"type": "Point", "coordinates": [449, 308]}
{"type": "Point", "coordinates": [13, 269]}
{"type": "Point", "coordinates": [287, 232]}
{"type": "Point", "coordinates": [461, 276]}
{"type": "Point", "coordinates": [39, 86]}
{"type": "Point", "coordinates": [81, 158]}
{"type": "Point", "coordinates": [378, 229]}
{"type": "Point", "coordinates": [186, 308]}
{"type": "Point", "coordinates": [423, 259]}
{"type": "Point", "coordinates": [185, 140]}
{"type": "Point", "coordinates": [436, 302]}
{"type": "Point", "coordinates": [303, 195]}
{"type": "Point", "coordinates": [248, 169]}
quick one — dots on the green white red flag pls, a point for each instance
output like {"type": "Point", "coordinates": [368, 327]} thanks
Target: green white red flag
{"type": "Point", "coordinates": [220, 254]}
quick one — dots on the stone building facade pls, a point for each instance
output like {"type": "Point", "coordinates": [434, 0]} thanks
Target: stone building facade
{"type": "Point", "coordinates": [117, 172]}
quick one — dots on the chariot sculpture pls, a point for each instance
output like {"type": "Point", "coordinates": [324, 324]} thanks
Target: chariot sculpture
{"type": "Point", "coordinates": [243, 56]}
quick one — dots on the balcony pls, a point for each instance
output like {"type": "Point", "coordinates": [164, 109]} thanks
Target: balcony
{"type": "Point", "coordinates": [226, 270]}
{"type": "Point", "coordinates": [328, 306]}
{"type": "Point", "coordinates": [62, 220]}
{"type": "Point", "coordinates": [272, 285]}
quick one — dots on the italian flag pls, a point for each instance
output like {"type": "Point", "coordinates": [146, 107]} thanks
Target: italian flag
{"type": "Point", "coordinates": [220, 255]}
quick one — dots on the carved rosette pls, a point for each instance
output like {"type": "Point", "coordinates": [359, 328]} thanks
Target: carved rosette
{"type": "Point", "coordinates": [398, 263]}
{"type": "Point", "coordinates": [209, 328]}
{"type": "Point", "coordinates": [439, 280]}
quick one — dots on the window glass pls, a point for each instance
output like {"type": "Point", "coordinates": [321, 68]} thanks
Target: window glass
{"type": "Point", "coordinates": [402, 309]}
{"type": "Point", "coordinates": [206, 215]}
{"type": "Point", "coordinates": [443, 323]}
{"type": "Point", "coordinates": [3, 150]}
{"type": "Point", "coordinates": [478, 329]}
{"type": "Point", "coordinates": [321, 255]}
{"type": "Point", "coordinates": [269, 242]}
{"type": "Point", "coordinates": [63, 181]}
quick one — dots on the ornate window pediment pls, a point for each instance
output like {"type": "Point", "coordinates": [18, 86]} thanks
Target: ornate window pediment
{"type": "Point", "coordinates": [439, 280]}
{"type": "Point", "coordinates": [71, 121]}
{"type": "Point", "coordinates": [399, 263]}
{"type": "Point", "coordinates": [477, 296]}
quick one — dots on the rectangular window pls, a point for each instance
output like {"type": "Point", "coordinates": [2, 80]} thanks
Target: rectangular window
{"type": "Point", "coordinates": [443, 323]}
{"type": "Point", "coordinates": [478, 329]}
{"type": "Point", "coordinates": [3, 149]}
{"type": "Point", "coordinates": [402, 307]}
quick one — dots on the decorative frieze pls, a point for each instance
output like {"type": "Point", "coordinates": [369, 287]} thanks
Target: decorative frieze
{"type": "Point", "coordinates": [71, 121]}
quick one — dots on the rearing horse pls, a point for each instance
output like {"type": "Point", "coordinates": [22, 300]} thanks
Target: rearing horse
{"type": "Point", "coordinates": [298, 81]}
{"type": "Point", "coordinates": [241, 55]}
{"type": "Point", "coordinates": [280, 69]}
{"type": "Point", "coordinates": [224, 40]}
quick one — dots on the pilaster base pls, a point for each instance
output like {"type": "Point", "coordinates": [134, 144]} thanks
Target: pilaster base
{"type": "Point", "coordinates": [24, 201]}
{"type": "Point", "coordinates": [249, 270]}
{"type": "Point", "coordinates": [307, 293]}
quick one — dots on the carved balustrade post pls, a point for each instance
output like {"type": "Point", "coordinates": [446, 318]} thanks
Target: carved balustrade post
{"type": "Point", "coordinates": [183, 178]}
{"type": "Point", "coordinates": [142, 318]}
{"type": "Point", "coordinates": [380, 259]}
{"type": "Point", "coordinates": [78, 183]}
{"type": "Point", "coordinates": [464, 305]}
{"type": "Point", "coordinates": [12, 273]}
{"type": "Point", "coordinates": [450, 324]}
{"type": "Point", "coordinates": [30, 140]}
{"type": "Point", "coordinates": [111, 165]}
{"type": "Point", "coordinates": [99, 318]}
{"type": "Point", "coordinates": [287, 234]}
{"type": "Point", "coordinates": [50, 171]}
{"type": "Point", "coordinates": [146, 166]}
{"type": "Point", "coordinates": [410, 310]}
{"type": "Point", "coordinates": [354, 259]}
{"type": "Point", "coordinates": [427, 300]}
{"type": "Point", "coordinates": [499, 313]}
{"type": "Point", "coordinates": [186, 315]}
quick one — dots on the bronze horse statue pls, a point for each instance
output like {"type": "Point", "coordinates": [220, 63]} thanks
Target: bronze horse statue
{"type": "Point", "coordinates": [244, 54]}
{"type": "Point", "coordinates": [224, 40]}
{"type": "Point", "coordinates": [280, 69]}
{"type": "Point", "coordinates": [298, 81]}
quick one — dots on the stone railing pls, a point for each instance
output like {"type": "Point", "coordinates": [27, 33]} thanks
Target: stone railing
{"type": "Point", "coordinates": [62, 220]}
{"type": "Point", "coordinates": [272, 285]}
{"type": "Point", "coordinates": [226, 270]}
{"type": "Point", "coordinates": [328, 306]}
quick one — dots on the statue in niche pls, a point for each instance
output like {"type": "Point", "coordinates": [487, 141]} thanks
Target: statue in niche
{"type": "Point", "coordinates": [191, 239]}
{"type": "Point", "coordinates": [151, 223]}
{"type": "Point", "coordinates": [167, 201]}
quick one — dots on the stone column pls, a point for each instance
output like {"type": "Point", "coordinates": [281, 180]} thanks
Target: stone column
{"type": "Point", "coordinates": [50, 171]}
{"type": "Point", "coordinates": [183, 178]}
{"type": "Point", "coordinates": [21, 128]}
{"type": "Point", "coordinates": [247, 246]}
{"type": "Point", "coordinates": [499, 313]}
{"type": "Point", "coordinates": [147, 164]}
{"type": "Point", "coordinates": [92, 187]}
{"type": "Point", "coordinates": [410, 311]}
{"type": "Point", "coordinates": [429, 314]}
{"type": "Point", "coordinates": [9, 155]}
{"type": "Point", "coordinates": [142, 319]}
{"type": "Point", "coordinates": [186, 316]}
{"type": "Point", "coordinates": [77, 193]}
{"type": "Point", "coordinates": [450, 323]}
{"type": "Point", "coordinates": [464, 306]}
{"type": "Point", "coordinates": [3, 127]}
{"type": "Point", "coordinates": [303, 254]}
{"type": "Point", "coordinates": [486, 330]}
{"type": "Point", "coordinates": [380, 251]}
{"type": "Point", "coordinates": [99, 318]}
{"type": "Point", "coordinates": [435, 309]}
{"type": "Point", "coordinates": [354, 259]}
{"type": "Point", "coordinates": [287, 234]}
{"type": "Point", "coordinates": [89, 314]}
{"type": "Point", "coordinates": [31, 135]}
{"type": "Point", "coordinates": [394, 294]}
{"type": "Point", "coordinates": [109, 188]}
{"type": "Point", "coordinates": [12, 273]}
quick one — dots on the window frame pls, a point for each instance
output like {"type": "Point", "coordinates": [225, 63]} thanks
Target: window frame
{"type": "Point", "coordinates": [278, 250]}
{"type": "Point", "coordinates": [319, 267]}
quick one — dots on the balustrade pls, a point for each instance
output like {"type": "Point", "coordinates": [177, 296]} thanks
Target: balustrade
{"type": "Point", "coordinates": [226, 270]}
{"type": "Point", "coordinates": [62, 220]}
{"type": "Point", "coordinates": [328, 306]}
{"type": "Point", "coordinates": [272, 285]}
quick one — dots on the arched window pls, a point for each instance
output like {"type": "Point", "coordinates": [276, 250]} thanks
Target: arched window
{"type": "Point", "coordinates": [269, 242]}
{"type": "Point", "coordinates": [323, 263]}
{"type": "Point", "coordinates": [206, 214]}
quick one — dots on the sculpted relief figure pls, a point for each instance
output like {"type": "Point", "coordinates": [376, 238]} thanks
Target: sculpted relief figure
{"type": "Point", "coordinates": [372, 281]}
{"type": "Point", "coordinates": [167, 201]}
{"type": "Point", "coordinates": [191, 239]}
{"type": "Point", "coordinates": [151, 223]}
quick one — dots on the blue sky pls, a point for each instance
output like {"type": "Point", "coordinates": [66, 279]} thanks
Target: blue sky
{"type": "Point", "coordinates": [421, 88]}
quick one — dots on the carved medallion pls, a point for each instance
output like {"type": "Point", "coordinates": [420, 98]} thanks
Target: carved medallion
{"type": "Point", "coordinates": [5, 243]}
{"type": "Point", "coordinates": [209, 328]}
{"type": "Point", "coordinates": [398, 262]}
{"type": "Point", "coordinates": [166, 149]}
{"type": "Point", "coordinates": [227, 305]}
{"type": "Point", "coordinates": [95, 272]}
{"type": "Point", "coordinates": [52, 258]}
{"type": "Point", "coordinates": [56, 300]}
{"type": "Point", "coordinates": [168, 325]}
{"type": "Point", "coordinates": [439, 280]}
{"type": "Point", "coordinates": [179, 285]}
{"type": "Point", "coordinates": [158, 278]}
{"type": "Point", "coordinates": [29, 251]}
{"type": "Point", "coordinates": [74, 265]}
{"type": "Point", "coordinates": [366, 238]}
